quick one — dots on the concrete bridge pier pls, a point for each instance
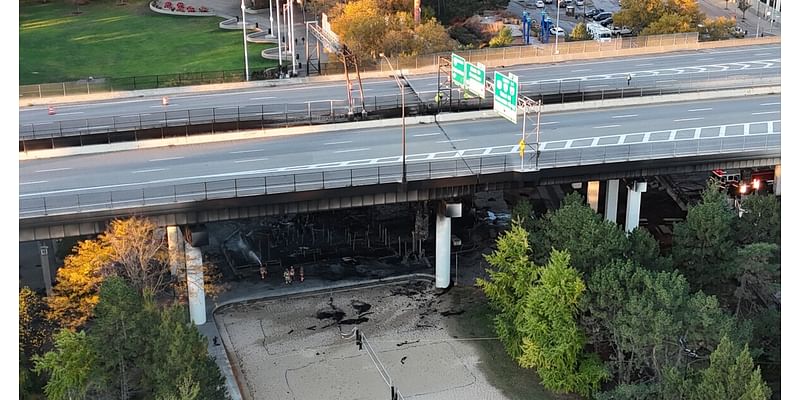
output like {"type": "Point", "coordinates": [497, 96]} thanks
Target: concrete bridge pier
{"type": "Point", "coordinates": [612, 199]}
{"type": "Point", "coordinates": [593, 194]}
{"type": "Point", "coordinates": [191, 258]}
{"type": "Point", "coordinates": [443, 245]}
{"type": "Point", "coordinates": [635, 191]}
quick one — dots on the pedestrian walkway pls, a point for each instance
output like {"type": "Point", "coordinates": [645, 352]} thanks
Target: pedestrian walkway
{"type": "Point", "coordinates": [265, 30]}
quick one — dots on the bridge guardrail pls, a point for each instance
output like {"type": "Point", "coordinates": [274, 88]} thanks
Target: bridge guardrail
{"type": "Point", "coordinates": [158, 125]}
{"type": "Point", "coordinates": [30, 207]}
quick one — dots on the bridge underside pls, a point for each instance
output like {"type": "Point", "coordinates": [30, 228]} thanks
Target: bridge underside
{"type": "Point", "coordinates": [90, 223]}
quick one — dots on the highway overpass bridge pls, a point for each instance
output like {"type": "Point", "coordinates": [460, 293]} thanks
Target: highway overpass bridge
{"type": "Point", "coordinates": [77, 195]}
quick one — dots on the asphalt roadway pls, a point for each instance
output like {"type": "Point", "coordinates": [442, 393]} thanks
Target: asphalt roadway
{"type": "Point", "coordinates": [160, 167]}
{"type": "Point", "coordinates": [663, 70]}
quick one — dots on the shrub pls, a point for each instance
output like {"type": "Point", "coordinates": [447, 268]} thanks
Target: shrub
{"type": "Point", "coordinates": [203, 9]}
{"type": "Point", "coordinates": [190, 9]}
{"type": "Point", "coordinates": [168, 4]}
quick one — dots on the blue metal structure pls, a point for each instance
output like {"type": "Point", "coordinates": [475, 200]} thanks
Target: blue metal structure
{"type": "Point", "coordinates": [547, 23]}
{"type": "Point", "coordinates": [526, 27]}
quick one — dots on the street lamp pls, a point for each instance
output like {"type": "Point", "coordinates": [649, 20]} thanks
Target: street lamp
{"type": "Point", "coordinates": [403, 112]}
{"type": "Point", "coordinates": [558, 14]}
{"type": "Point", "coordinates": [244, 37]}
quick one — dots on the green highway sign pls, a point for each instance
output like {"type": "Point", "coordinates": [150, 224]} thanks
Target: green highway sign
{"type": "Point", "coordinates": [458, 70]}
{"type": "Point", "coordinates": [476, 79]}
{"type": "Point", "coordinates": [505, 95]}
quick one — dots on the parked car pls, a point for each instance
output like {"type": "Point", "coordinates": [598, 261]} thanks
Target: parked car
{"type": "Point", "coordinates": [539, 4]}
{"type": "Point", "coordinates": [578, 2]}
{"type": "Point", "coordinates": [602, 16]}
{"type": "Point", "coordinates": [548, 1]}
{"type": "Point", "coordinates": [624, 31]}
{"type": "Point", "coordinates": [591, 13]}
{"type": "Point", "coordinates": [557, 31]}
{"type": "Point", "coordinates": [564, 3]}
{"type": "Point", "coordinates": [607, 22]}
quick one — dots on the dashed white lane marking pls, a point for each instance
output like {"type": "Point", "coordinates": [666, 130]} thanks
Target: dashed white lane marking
{"type": "Point", "coordinates": [32, 183]}
{"type": "Point", "coordinates": [765, 112]}
{"type": "Point", "coordinates": [342, 142]}
{"type": "Point", "coordinates": [644, 65]}
{"type": "Point", "coordinates": [252, 160]}
{"type": "Point", "coordinates": [452, 141]}
{"type": "Point", "coordinates": [142, 171]}
{"type": "Point", "coordinates": [763, 54]}
{"type": "Point", "coordinates": [351, 150]}
{"type": "Point", "coordinates": [71, 113]}
{"type": "Point", "coordinates": [426, 134]}
{"type": "Point", "coordinates": [706, 59]}
{"type": "Point", "coordinates": [246, 151]}
{"type": "Point", "coordinates": [158, 106]}
{"type": "Point", "coordinates": [263, 98]}
{"type": "Point", "coordinates": [548, 123]}
{"type": "Point", "coordinates": [687, 119]}
{"type": "Point", "coordinates": [771, 104]}
{"type": "Point", "coordinates": [626, 116]}
{"type": "Point", "coordinates": [605, 126]}
{"type": "Point", "coordinates": [53, 170]}
{"type": "Point", "coordinates": [699, 109]}
{"type": "Point", "coordinates": [165, 159]}
{"type": "Point", "coordinates": [581, 70]}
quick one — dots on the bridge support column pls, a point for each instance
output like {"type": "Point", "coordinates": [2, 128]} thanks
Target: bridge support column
{"type": "Point", "coordinates": [634, 204]}
{"type": "Point", "coordinates": [44, 259]}
{"type": "Point", "coordinates": [612, 198]}
{"type": "Point", "coordinates": [593, 194]}
{"type": "Point", "coordinates": [175, 245]}
{"type": "Point", "coordinates": [194, 284]}
{"type": "Point", "coordinates": [776, 185]}
{"type": "Point", "coordinates": [443, 216]}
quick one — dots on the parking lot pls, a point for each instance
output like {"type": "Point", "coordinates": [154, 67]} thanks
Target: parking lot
{"type": "Point", "coordinates": [567, 23]}
{"type": "Point", "coordinates": [301, 347]}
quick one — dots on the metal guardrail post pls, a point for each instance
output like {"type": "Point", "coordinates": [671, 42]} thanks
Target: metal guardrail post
{"type": "Point", "coordinates": [205, 190]}
{"type": "Point", "coordinates": [294, 182]}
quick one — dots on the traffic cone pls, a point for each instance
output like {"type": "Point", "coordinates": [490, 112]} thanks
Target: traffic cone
{"type": "Point", "coordinates": [51, 110]}
{"type": "Point", "coordinates": [165, 101]}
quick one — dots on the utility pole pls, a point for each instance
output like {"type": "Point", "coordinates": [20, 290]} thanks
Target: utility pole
{"type": "Point", "coordinates": [244, 38]}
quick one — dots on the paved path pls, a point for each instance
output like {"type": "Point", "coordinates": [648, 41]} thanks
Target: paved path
{"type": "Point", "coordinates": [232, 9]}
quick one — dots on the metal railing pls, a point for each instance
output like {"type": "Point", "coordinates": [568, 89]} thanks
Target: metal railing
{"type": "Point", "coordinates": [178, 123]}
{"type": "Point", "coordinates": [390, 173]}
{"type": "Point", "coordinates": [127, 83]}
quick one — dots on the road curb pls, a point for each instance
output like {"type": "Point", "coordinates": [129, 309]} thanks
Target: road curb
{"type": "Point", "coordinates": [384, 123]}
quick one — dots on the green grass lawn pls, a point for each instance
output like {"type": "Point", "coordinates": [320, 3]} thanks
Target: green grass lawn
{"type": "Point", "coordinates": [501, 370]}
{"type": "Point", "coordinates": [107, 40]}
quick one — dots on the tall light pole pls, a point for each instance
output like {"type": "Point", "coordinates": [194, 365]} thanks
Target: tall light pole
{"type": "Point", "coordinates": [292, 38]}
{"type": "Point", "coordinates": [403, 113]}
{"type": "Point", "coordinates": [244, 37]}
{"type": "Point", "coordinates": [271, 26]}
{"type": "Point", "coordinates": [558, 14]}
{"type": "Point", "coordinates": [280, 56]}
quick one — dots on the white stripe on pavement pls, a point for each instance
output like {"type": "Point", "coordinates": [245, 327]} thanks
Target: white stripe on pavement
{"type": "Point", "coordinates": [342, 142]}
{"type": "Point", "coordinates": [687, 119]}
{"type": "Point", "coordinates": [699, 109]}
{"type": "Point", "coordinates": [53, 170]}
{"type": "Point", "coordinates": [351, 150]}
{"type": "Point", "coordinates": [765, 112]}
{"type": "Point", "coordinates": [252, 160]}
{"type": "Point", "coordinates": [605, 126]}
{"type": "Point", "coordinates": [246, 151]}
{"type": "Point", "coordinates": [165, 159]}
{"type": "Point", "coordinates": [32, 183]}
{"type": "Point", "coordinates": [626, 116]}
{"type": "Point", "coordinates": [426, 134]}
{"type": "Point", "coordinates": [141, 171]}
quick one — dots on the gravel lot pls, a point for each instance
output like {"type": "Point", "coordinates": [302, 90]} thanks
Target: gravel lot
{"type": "Point", "coordinates": [293, 348]}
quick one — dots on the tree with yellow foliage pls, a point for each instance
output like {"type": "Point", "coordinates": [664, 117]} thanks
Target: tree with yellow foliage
{"type": "Point", "coordinates": [75, 293]}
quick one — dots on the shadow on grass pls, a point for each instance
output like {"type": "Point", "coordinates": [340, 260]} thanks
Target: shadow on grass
{"type": "Point", "coordinates": [501, 371]}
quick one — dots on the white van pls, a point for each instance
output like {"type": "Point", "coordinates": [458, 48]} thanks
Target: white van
{"type": "Point", "coordinates": [603, 35]}
{"type": "Point", "coordinates": [599, 32]}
